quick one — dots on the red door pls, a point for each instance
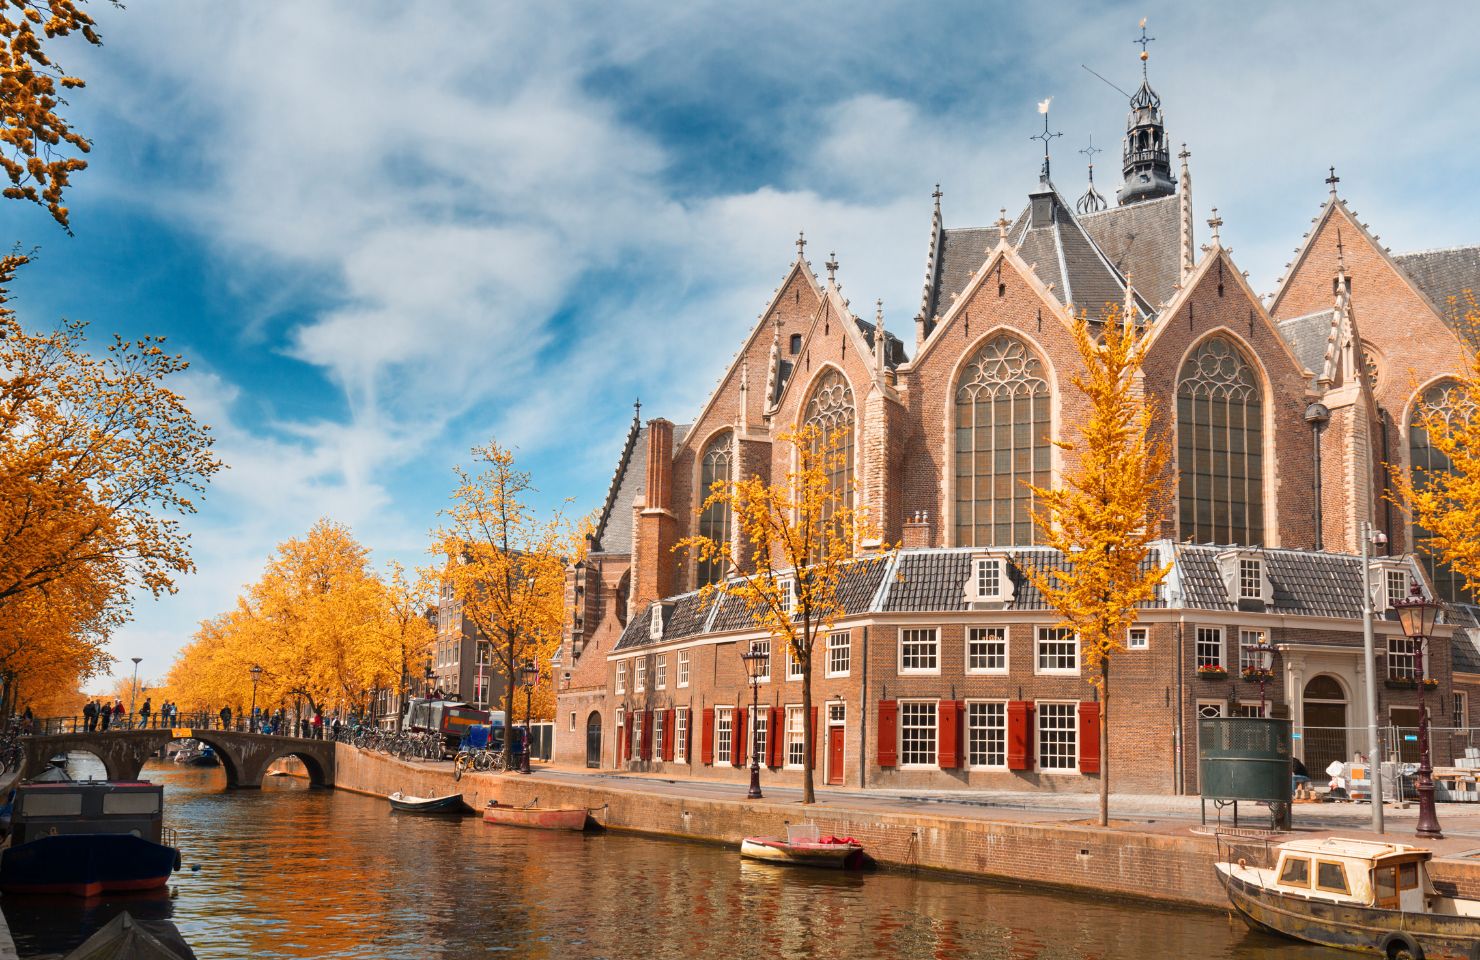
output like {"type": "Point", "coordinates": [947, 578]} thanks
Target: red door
{"type": "Point", "coordinates": [835, 755]}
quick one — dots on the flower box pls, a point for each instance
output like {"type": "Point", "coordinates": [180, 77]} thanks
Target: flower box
{"type": "Point", "coordinates": [1213, 673]}
{"type": "Point", "coordinates": [1410, 683]}
{"type": "Point", "coordinates": [1255, 674]}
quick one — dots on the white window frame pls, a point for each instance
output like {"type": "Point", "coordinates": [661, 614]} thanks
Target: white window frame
{"type": "Point", "coordinates": [1250, 577]}
{"type": "Point", "coordinates": [680, 734]}
{"type": "Point", "coordinates": [982, 635]}
{"type": "Point", "coordinates": [572, 721]}
{"type": "Point", "coordinates": [796, 737]}
{"type": "Point", "coordinates": [657, 736]}
{"type": "Point", "coordinates": [1245, 636]}
{"type": "Point", "coordinates": [763, 644]}
{"type": "Point", "coordinates": [621, 682]}
{"type": "Point", "coordinates": [1197, 648]}
{"type": "Point", "coordinates": [929, 649]}
{"type": "Point", "coordinates": [834, 645]}
{"type": "Point", "coordinates": [1042, 635]}
{"type": "Point", "coordinates": [969, 728]}
{"type": "Point", "coordinates": [639, 675]}
{"type": "Point", "coordinates": [655, 622]}
{"type": "Point", "coordinates": [989, 580]}
{"type": "Point", "coordinates": [683, 668]}
{"type": "Point", "coordinates": [636, 735]}
{"type": "Point", "coordinates": [787, 587]}
{"type": "Point", "coordinates": [1459, 709]}
{"type": "Point", "coordinates": [760, 733]}
{"type": "Point", "coordinates": [830, 721]}
{"type": "Point", "coordinates": [724, 734]}
{"type": "Point", "coordinates": [906, 707]}
{"type": "Point", "coordinates": [1402, 650]}
{"type": "Point", "coordinates": [793, 664]}
{"type": "Point", "coordinates": [660, 672]}
{"type": "Point", "coordinates": [1039, 715]}
{"type": "Point", "coordinates": [1138, 637]}
{"type": "Point", "coordinates": [1390, 577]}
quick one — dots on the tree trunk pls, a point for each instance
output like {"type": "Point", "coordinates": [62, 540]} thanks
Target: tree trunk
{"type": "Point", "coordinates": [1104, 741]}
{"type": "Point", "coordinates": [508, 750]}
{"type": "Point", "coordinates": [809, 795]}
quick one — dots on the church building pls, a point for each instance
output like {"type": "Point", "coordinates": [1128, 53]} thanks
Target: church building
{"type": "Point", "coordinates": [948, 670]}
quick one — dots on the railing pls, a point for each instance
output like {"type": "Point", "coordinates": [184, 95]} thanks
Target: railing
{"type": "Point", "coordinates": [281, 726]}
{"type": "Point", "coordinates": [1320, 745]}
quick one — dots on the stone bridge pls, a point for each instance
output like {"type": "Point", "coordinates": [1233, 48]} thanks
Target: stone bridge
{"type": "Point", "coordinates": [244, 756]}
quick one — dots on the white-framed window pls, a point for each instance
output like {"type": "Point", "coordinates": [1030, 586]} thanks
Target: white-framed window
{"type": "Point", "coordinates": [621, 719]}
{"type": "Point", "coordinates": [787, 587]}
{"type": "Point", "coordinates": [1396, 584]}
{"type": "Point", "coordinates": [1247, 710]}
{"type": "Point", "coordinates": [724, 719]}
{"type": "Point", "coordinates": [986, 650]}
{"type": "Point", "coordinates": [839, 653]}
{"type": "Point", "coordinates": [793, 665]}
{"type": "Point", "coordinates": [639, 676]}
{"type": "Point", "coordinates": [917, 731]}
{"type": "Point", "coordinates": [919, 650]}
{"type": "Point", "coordinates": [681, 734]}
{"type": "Point", "coordinates": [660, 672]}
{"type": "Point", "coordinates": [763, 646]}
{"type": "Point", "coordinates": [988, 578]}
{"type": "Point", "coordinates": [1058, 650]}
{"type": "Point", "coordinates": [1138, 638]}
{"type": "Point", "coordinates": [1402, 658]}
{"type": "Point", "coordinates": [572, 721]}
{"type": "Point", "coordinates": [655, 624]}
{"type": "Point", "coordinates": [1458, 715]}
{"type": "Point", "coordinates": [636, 735]}
{"type": "Point", "coordinates": [621, 676]}
{"type": "Point", "coordinates": [796, 745]}
{"type": "Point", "coordinates": [1209, 647]}
{"type": "Point", "coordinates": [1058, 736]}
{"type": "Point", "coordinates": [1247, 658]}
{"type": "Point", "coordinates": [986, 734]}
{"type": "Point", "coordinates": [1250, 578]}
{"type": "Point", "coordinates": [837, 712]}
{"type": "Point", "coordinates": [760, 723]}
{"type": "Point", "coordinates": [657, 734]}
{"type": "Point", "coordinates": [683, 668]}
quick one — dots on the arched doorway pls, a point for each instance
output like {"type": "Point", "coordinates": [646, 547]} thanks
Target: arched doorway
{"type": "Point", "coordinates": [1324, 704]}
{"type": "Point", "coordinates": [593, 739]}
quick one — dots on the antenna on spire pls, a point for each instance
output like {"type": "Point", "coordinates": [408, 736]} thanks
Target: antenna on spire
{"type": "Point", "coordinates": [1045, 136]}
{"type": "Point", "coordinates": [1332, 181]}
{"type": "Point", "coordinates": [1091, 202]}
{"type": "Point", "coordinates": [1143, 40]}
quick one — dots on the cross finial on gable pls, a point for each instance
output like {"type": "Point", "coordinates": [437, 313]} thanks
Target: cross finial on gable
{"type": "Point", "coordinates": [1144, 41]}
{"type": "Point", "coordinates": [832, 267]}
{"type": "Point", "coordinates": [937, 195]}
{"type": "Point", "coordinates": [1002, 224]}
{"type": "Point", "coordinates": [801, 244]}
{"type": "Point", "coordinates": [637, 410]}
{"type": "Point", "coordinates": [1332, 181]}
{"type": "Point", "coordinates": [1215, 223]}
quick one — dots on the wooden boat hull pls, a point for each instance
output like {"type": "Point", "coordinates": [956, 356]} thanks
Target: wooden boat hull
{"type": "Point", "coordinates": [86, 865]}
{"type": "Point", "coordinates": [537, 818]}
{"type": "Point", "coordinates": [1352, 927]}
{"type": "Point", "coordinates": [452, 803]}
{"type": "Point", "coordinates": [837, 856]}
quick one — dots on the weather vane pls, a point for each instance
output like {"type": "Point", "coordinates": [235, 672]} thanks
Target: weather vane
{"type": "Point", "coordinates": [1143, 40]}
{"type": "Point", "coordinates": [1045, 136]}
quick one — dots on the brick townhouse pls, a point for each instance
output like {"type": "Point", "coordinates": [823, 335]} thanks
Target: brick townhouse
{"type": "Point", "coordinates": [1281, 410]}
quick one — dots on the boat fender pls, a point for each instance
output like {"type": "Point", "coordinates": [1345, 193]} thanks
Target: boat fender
{"type": "Point", "coordinates": [1396, 945]}
{"type": "Point", "coordinates": [1242, 862]}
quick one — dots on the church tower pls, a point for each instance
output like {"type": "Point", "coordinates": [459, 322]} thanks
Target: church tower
{"type": "Point", "coordinates": [1146, 160]}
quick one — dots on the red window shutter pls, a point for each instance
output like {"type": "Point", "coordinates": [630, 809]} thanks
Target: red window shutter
{"type": "Point", "coordinates": [667, 745]}
{"type": "Point", "coordinates": [647, 734]}
{"type": "Point", "coordinates": [706, 748]}
{"type": "Point", "coordinates": [1019, 735]}
{"type": "Point", "coordinates": [621, 742]}
{"type": "Point", "coordinates": [776, 737]}
{"type": "Point", "coordinates": [815, 737]}
{"type": "Point", "coordinates": [737, 741]}
{"type": "Point", "coordinates": [888, 733]}
{"type": "Point", "coordinates": [627, 743]}
{"type": "Point", "coordinates": [950, 734]}
{"type": "Point", "coordinates": [1089, 737]}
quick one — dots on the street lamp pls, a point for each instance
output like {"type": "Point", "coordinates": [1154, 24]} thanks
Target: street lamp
{"type": "Point", "coordinates": [1418, 615]}
{"type": "Point", "coordinates": [134, 696]}
{"type": "Point", "coordinates": [1261, 655]}
{"type": "Point", "coordinates": [755, 663]}
{"type": "Point", "coordinates": [256, 675]}
{"type": "Point", "coordinates": [427, 674]}
{"type": "Point", "coordinates": [530, 674]}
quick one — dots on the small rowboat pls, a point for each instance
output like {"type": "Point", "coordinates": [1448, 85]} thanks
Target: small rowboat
{"type": "Point", "coordinates": [539, 818]}
{"type": "Point", "coordinates": [803, 847]}
{"type": "Point", "coordinates": [452, 803]}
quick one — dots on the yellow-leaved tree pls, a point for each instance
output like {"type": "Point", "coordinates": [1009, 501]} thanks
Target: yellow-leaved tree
{"type": "Point", "coordinates": [1106, 511]}
{"type": "Point", "coordinates": [406, 634]}
{"type": "Point", "coordinates": [797, 538]}
{"type": "Point", "coordinates": [506, 566]}
{"type": "Point", "coordinates": [1443, 497]}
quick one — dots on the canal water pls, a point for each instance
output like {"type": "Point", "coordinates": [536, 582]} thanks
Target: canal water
{"type": "Point", "coordinates": [288, 872]}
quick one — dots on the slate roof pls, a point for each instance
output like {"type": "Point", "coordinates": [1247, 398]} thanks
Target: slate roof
{"type": "Point", "coordinates": [1308, 336]}
{"type": "Point", "coordinates": [1064, 255]}
{"type": "Point", "coordinates": [860, 583]}
{"type": "Point", "coordinates": [614, 525]}
{"type": "Point", "coordinates": [1306, 583]}
{"type": "Point", "coordinates": [685, 616]}
{"type": "Point", "coordinates": [1445, 274]}
{"type": "Point", "coordinates": [1143, 241]}
{"type": "Point", "coordinates": [1466, 646]}
{"type": "Point", "coordinates": [895, 354]}
{"type": "Point", "coordinates": [961, 254]}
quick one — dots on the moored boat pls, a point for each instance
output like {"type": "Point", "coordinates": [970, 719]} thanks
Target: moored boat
{"type": "Point", "coordinates": [806, 850]}
{"type": "Point", "coordinates": [86, 838]}
{"type": "Point", "coordinates": [1360, 895]}
{"type": "Point", "coordinates": [452, 803]}
{"type": "Point", "coordinates": [537, 817]}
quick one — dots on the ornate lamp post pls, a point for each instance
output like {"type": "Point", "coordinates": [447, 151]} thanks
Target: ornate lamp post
{"type": "Point", "coordinates": [755, 662]}
{"type": "Point", "coordinates": [256, 675]}
{"type": "Point", "coordinates": [530, 674]}
{"type": "Point", "coordinates": [427, 674]}
{"type": "Point", "coordinates": [1262, 656]}
{"type": "Point", "coordinates": [1418, 615]}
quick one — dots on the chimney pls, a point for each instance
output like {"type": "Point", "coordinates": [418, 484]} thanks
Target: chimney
{"type": "Point", "coordinates": [916, 531]}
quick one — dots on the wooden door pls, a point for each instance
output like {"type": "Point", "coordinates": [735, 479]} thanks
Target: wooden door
{"type": "Point", "coordinates": [835, 755]}
{"type": "Point", "coordinates": [1385, 887]}
{"type": "Point", "coordinates": [593, 740]}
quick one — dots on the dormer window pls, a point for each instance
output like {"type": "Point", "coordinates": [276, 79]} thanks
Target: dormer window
{"type": "Point", "coordinates": [655, 625]}
{"type": "Point", "coordinates": [1395, 584]}
{"type": "Point", "coordinates": [787, 588]}
{"type": "Point", "coordinates": [989, 581]}
{"type": "Point", "coordinates": [1245, 578]}
{"type": "Point", "coordinates": [1250, 578]}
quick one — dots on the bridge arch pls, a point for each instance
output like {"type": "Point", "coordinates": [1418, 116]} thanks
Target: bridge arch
{"type": "Point", "coordinates": [244, 756]}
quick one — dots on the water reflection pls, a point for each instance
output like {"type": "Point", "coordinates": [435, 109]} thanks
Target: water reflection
{"type": "Point", "coordinates": [287, 872]}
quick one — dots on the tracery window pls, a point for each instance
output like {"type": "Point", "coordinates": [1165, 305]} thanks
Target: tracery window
{"type": "Point", "coordinates": [1003, 447]}
{"type": "Point", "coordinates": [1448, 401]}
{"type": "Point", "coordinates": [831, 411]}
{"type": "Point", "coordinates": [714, 521]}
{"type": "Point", "coordinates": [1220, 447]}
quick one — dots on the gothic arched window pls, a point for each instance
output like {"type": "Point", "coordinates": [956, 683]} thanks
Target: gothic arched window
{"type": "Point", "coordinates": [831, 410]}
{"type": "Point", "coordinates": [1447, 400]}
{"type": "Point", "coordinates": [1220, 447]}
{"type": "Point", "coordinates": [1003, 444]}
{"type": "Point", "coordinates": [714, 521]}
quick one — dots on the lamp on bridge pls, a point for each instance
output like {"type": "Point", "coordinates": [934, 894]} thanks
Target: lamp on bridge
{"type": "Point", "coordinates": [134, 697]}
{"type": "Point", "coordinates": [530, 675]}
{"type": "Point", "coordinates": [757, 664]}
{"type": "Point", "coordinates": [1418, 614]}
{"type": "Point", "coordinates": [256, 675]}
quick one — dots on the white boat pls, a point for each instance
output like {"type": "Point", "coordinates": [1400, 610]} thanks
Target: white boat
{"type": "Point", "coordinates": [803, 846]}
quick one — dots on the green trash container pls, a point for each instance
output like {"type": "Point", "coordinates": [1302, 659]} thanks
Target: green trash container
{"type": "Point", "coordinates": [1245, 758]}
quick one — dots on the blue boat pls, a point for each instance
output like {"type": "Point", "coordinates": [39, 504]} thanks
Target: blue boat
{"type": "Point", "coordinates": [87, 838]}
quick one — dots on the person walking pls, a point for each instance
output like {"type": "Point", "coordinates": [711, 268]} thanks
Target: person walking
{"type": "Point", "coordinates": [90, 716]}
{"type": "Point", "coordinates": [144, 710]}
{"type": "Point", "coordinates": [225, 718]}
{"type": "Point", "coordinates": [105, 715]}
{"type": "Point", "coordinates": [118, 713]}
{"type": "Point", "coordinates": [318, 725]}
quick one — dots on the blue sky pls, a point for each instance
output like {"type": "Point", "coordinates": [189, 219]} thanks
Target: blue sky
{"type": "Point", "coordinates": [385, 232]}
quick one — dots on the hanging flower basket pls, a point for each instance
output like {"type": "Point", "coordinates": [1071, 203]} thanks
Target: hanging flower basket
{"type": "Point", "coordinates": [1255, 674]}
{"type": "Point", "coordinates": [1402, 683]}
{"type": "Point", "coordinates": [1430, 683]}
{"type": "Point", "coordinates": [1212, 673]}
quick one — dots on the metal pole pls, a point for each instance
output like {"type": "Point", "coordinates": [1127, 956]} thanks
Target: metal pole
{"type": "Point", "coordinates": [1428, 820]}
{"type": "Point", "coordinates": [1374, 746]}
{"type": "Point", "coordinates": [755, 758]}
{"type": "Point", "coordinates": [134, 695]}
{"type": "Point", "coordinates": [528, 720]}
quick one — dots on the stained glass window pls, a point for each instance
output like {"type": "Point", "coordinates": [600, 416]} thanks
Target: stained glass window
{"type": "Point", "coordinates": [1220, 447]}
{"type": "Point", "coordinates": [714, 521]}
{"type": "Point", "coordinates": [831, 410]}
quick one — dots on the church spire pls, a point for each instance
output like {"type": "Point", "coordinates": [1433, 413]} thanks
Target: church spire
{"type": "Point", "coordinates": [1146, 161]}
{"type": "Point", "coordinates": [1184, 217]}
{"type": "Point", "coordinates": [1091, 202]}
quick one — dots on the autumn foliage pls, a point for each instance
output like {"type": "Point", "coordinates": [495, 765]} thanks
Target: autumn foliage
{"type": "Point", "coordinates": [1106, 510]}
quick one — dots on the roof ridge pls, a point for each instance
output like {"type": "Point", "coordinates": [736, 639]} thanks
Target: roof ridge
{"type": "Point", "coordinates": [623, 461]}
{"type": "Point", "coordinates": [1454, 249]}
{"type": "Point", "coordinates": [1307, 316]}
{"type": "Point", "coordinates": [1127, 206]}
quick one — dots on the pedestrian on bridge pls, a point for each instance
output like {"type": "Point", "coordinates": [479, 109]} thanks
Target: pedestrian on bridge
{"type": "Point", "coordinates": [144, 710]}
{"type": "Point", "coordinates": [118, 713]}
{"type": "Point", "coordinates": [225, 718]}
{"type": "Point", "coordinates": [90, 716]}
